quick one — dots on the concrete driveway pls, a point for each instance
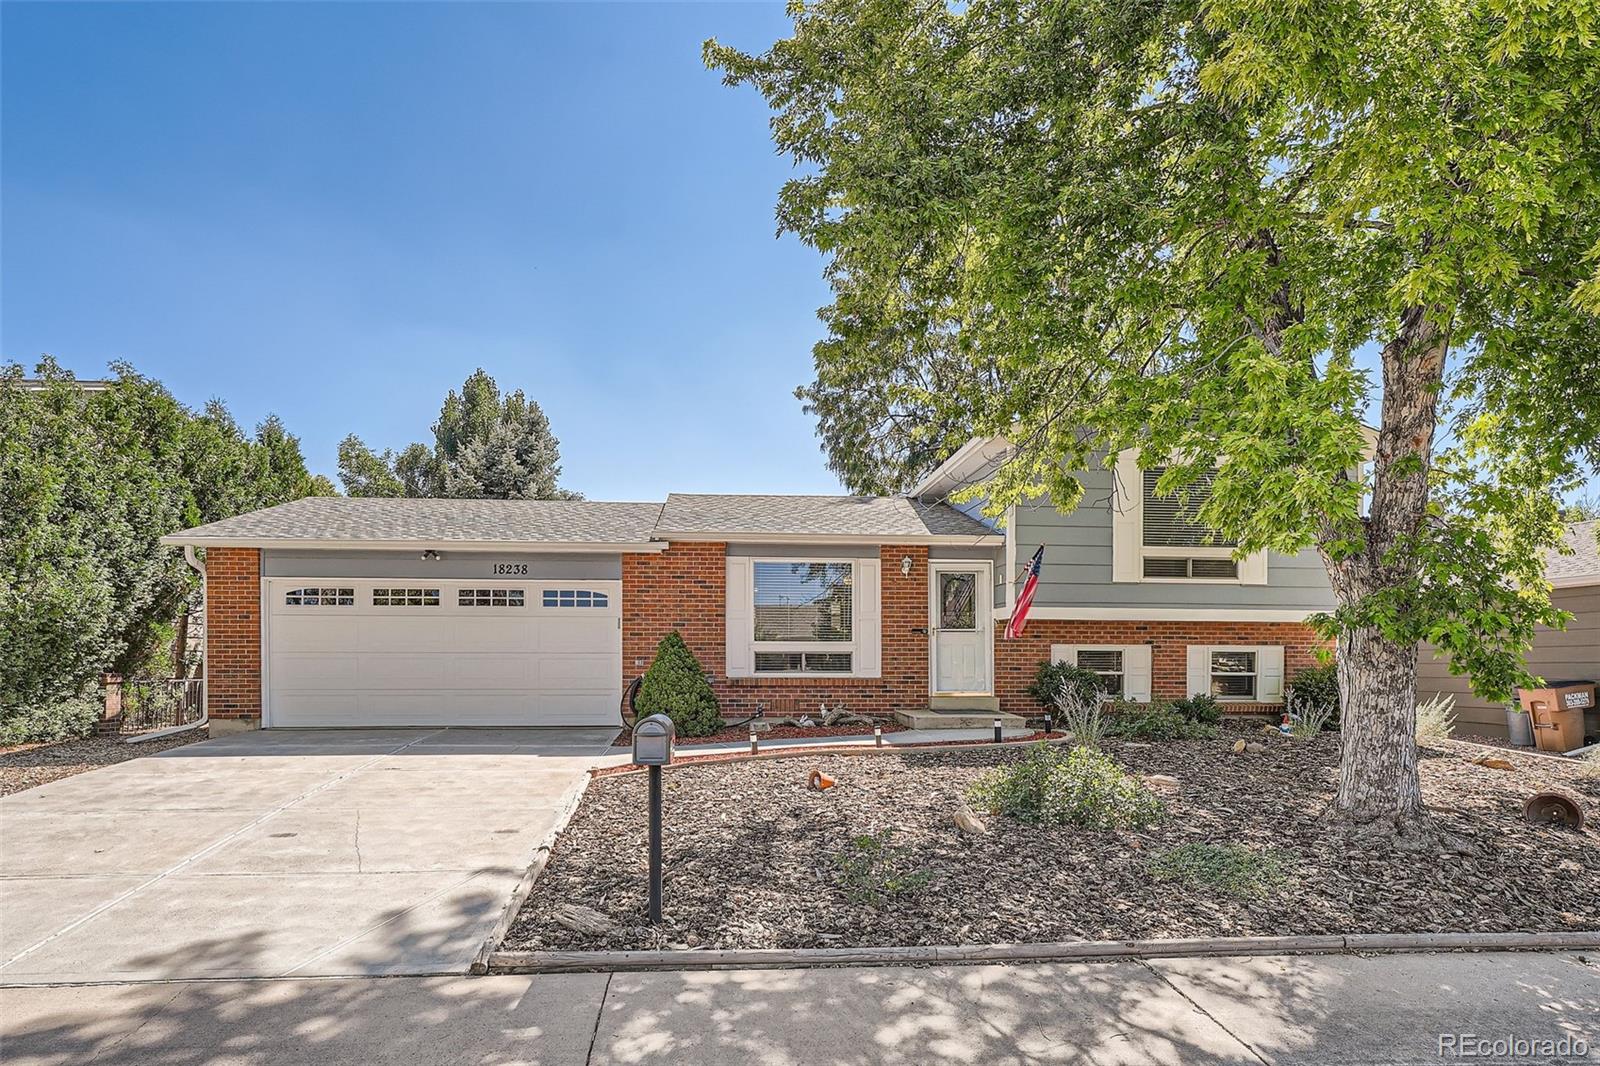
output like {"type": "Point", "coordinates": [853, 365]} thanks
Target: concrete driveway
{"type": "Point", "coordinates": [305, 852]}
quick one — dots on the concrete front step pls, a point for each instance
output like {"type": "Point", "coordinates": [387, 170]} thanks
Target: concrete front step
{"type": "Point", "coordinates": [965, 719]}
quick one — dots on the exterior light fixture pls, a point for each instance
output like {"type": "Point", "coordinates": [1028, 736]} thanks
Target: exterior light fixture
{"type": "Point", "coordinates": [877, 736]}
{"type": "Point", "coordinates": [429, 555]}
{"type": "Point", "coordinates": [997, 735]}
{"type": "Point", "coordinates": [755, 745]}
{"type": "Point", "coordinates": [653, 740]}
{"type": "Point", "coordinates": [905, 565]}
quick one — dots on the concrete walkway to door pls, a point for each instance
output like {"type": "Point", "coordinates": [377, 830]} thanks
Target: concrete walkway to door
{"type": "Point", "coordinates": [303, 852]}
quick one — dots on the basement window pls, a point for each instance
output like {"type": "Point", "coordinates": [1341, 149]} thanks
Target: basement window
{"type": "Point", "coordinates": [1233, 675]}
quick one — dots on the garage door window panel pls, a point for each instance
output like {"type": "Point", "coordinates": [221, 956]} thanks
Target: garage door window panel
{"type": "Point", "coordinates": [405, 597]}
{"type": "Point", "coordinates": [575, 598]}
{"type": "Point", "coordinates": [497, 597]}
{"type": "Point", "coordinates": [320, 597]}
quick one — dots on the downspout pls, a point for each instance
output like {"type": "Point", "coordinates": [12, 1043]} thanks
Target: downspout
{"type": "Point", "coordinates": [205, 661]}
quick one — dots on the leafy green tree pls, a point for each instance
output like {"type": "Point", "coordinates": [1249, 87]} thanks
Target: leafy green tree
{"type": "Point", "coordinates": [486, 446]}
{"type": "Point", "coordinates": [676, 686]}
{"type": "Point", "coordinates": [1175, 228]}
{"type": "Point", "coordinates": [92, 480]}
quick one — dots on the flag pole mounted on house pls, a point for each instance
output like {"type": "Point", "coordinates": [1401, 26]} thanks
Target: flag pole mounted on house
{"type": "Point", "coordinates": [1019, 613]}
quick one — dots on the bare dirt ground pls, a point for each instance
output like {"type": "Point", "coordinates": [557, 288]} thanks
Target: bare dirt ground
{"type": "Point", "coordinates": [753, 858]}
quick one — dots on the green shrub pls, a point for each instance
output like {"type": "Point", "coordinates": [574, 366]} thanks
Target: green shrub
{"type": "Point", "coordinates": [1081, 786]}
{"type": "Point", "coordinates": [1052, 679]}
{"type": "Point", "coordinates": [73, 716]}
{"type": "Point", "coordinates": [873, 870]}
{"type": "Point", "coordinates": [676, 686]}
{"type": "Point", "coordinates": [1155, 721]}
{"type": "Point", "coordinates": [1201, 708]}
{"type": "Point", "coordinates": [1318, 687]}
{"type": "Point", "coordinates": [1231, 868]}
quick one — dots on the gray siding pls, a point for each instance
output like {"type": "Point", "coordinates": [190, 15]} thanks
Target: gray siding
{"type": "Point", "coordinates": [1077, 564]}
{"type": "Point", "coordinates": [452, 564]}
{"type": "Point", "coordinates": [1557, 655]}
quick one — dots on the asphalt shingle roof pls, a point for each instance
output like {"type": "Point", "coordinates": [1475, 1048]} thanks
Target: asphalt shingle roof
{"type": "Point", "coordinates": [340, 518]}
{"type": "Point", "coordinates": [827, 516]}
{"type": "Point", "coordinates": [1584, 562]}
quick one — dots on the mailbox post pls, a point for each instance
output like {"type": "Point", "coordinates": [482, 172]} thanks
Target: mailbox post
{"type": "Point", "coordinates": [653, 741]}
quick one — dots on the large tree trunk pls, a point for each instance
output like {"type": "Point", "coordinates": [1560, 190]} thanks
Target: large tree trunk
{"type": "Point", "coordinates": [1377, 676]}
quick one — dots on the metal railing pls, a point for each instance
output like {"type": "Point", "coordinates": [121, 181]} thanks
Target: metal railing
{"type": "Point", "coordinates": [150, 703]}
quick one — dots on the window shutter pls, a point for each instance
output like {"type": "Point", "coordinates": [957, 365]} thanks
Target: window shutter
{"type": "Point", "coordinates": [1269, 670]}
{"type": "Point", "coordinates": [868, 619]}
{"type": "Point", "coordinates": [1199, 669]}
{"type": "Point", "coordinates": [736, 618]}
{"type": "Point", "coordinates": [1253, 569]}
{"type": "Point", "coordinates": [1136, 672]}
{"type": "Point", "coordinates": [1127, 518]}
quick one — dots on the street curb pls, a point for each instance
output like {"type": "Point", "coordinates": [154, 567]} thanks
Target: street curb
{"type": "Point", "coordinates": [517, 962]}
{"type": "Point", "coordinates": [541, 856]}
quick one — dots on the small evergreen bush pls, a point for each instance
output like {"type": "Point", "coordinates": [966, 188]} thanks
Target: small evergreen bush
{"type": "Point", "coordinates": [676, 686]}
{"type": "Point", "coordinates": [1053, 681]}
{"type": "Point", "coordinates": [1081, 786]}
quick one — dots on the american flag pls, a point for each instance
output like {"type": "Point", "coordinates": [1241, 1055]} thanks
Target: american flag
{"type": "Point", "coordinates": [1019, 613]}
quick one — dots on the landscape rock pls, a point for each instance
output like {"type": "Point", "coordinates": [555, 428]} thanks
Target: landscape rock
{"type": "Point", "coordinates": [1255, 748]}
{"type": "Point", "coordinates": [1162, 783]}
{"type": "Point", "coordinates": [1239, 746]}
{"type": "Point", "coordinates": [967, 820]}
{"type": "Point", "coordinates": [1493, 762]}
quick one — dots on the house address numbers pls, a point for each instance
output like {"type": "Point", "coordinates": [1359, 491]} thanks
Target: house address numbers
{"type": "Point", "coordinates": [509, 569]}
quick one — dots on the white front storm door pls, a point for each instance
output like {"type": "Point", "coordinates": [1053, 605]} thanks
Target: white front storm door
{"type": "Point", "coordinates": [959, 645]}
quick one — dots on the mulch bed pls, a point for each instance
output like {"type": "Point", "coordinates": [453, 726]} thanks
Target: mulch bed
{"type": "Point", "coordinates": [751, 854]}
{"type": "Point", "coordinates": [35, 764]}
{"type": "Point", "coordinates": [741, 734]}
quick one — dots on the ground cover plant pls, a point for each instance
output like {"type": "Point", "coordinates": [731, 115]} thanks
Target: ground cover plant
{"type": "Point", "coordinates": [1055, 785]}
{"type": "Point", "coordinates": [1231, 868]}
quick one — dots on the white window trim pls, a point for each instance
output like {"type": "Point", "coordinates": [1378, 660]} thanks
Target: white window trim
{"type": "Point", "coordinates": [853, 645]}
{"type": "Point", "coordinates": [1269, 671]}
{"type": "Point", "coordinates": [1137, 662]}
{"type": "Point", "coordinates": [1128, 550]}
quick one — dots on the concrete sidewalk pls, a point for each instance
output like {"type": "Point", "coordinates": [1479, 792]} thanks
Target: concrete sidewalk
{"type": "Point", "coordinates": [1329, 1010]}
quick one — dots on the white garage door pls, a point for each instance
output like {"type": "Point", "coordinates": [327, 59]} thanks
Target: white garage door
{"type": "Point", "coordinates": [346, 652]}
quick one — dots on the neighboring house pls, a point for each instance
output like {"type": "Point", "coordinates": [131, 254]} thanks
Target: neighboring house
{"type": "Point", "coordinates": [1557, 654]}
{"type": "Point", "coordinates": [335, 611]}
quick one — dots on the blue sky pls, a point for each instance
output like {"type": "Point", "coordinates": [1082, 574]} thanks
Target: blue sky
{"type": "Point", "coordinates": [337, 212]}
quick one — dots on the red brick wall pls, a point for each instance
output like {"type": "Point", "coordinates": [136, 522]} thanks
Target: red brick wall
{"type": "Point", "coordinates": [233, 632]}
{"type": "Point", "coordinates": [684, 588]}
{"type": "Point", "coordinates": [1016, 660]}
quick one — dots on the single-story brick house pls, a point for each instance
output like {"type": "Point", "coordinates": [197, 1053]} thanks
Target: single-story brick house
{"type": "Point", "coordinates": [352, 612]}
